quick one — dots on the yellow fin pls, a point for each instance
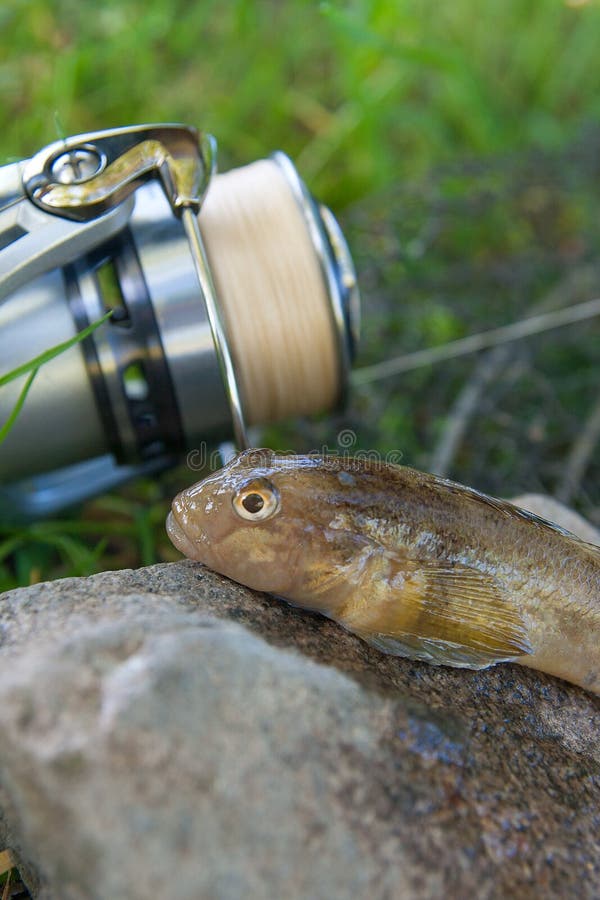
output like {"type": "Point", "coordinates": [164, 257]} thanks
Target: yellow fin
{"type": "Point", "coordinates": [448, 615]}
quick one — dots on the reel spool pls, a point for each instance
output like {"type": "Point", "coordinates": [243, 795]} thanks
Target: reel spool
{"type": "Point", "coordinates": [285, 312]}
{"type": "Point", "coordinates": [250, 271]}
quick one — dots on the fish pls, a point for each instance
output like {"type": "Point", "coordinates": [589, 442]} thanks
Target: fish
{"type": "Point", "coordinates": [416, 565]}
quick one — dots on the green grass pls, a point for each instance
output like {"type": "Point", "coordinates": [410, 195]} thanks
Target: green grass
{"type": "Point", "coordinates": [32, 367]}
{"type": "Point", "coordinates": [367, 97]}
{"type": "Point", "coordinates": [361, 93]}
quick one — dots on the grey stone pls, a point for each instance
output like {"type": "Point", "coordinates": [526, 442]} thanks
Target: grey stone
{"type": "Point", "coordinates": [166, 732]}
{"type": "Point", "coordinates": [554, 511]}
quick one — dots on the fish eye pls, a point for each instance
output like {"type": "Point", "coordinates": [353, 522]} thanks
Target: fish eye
{"type": "Point", "coordinates": [252, 503]}
{"type": "Point", "coordinates": [256, 500]}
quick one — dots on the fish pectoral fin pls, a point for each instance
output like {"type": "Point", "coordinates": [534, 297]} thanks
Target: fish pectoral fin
{"type": "Point", "coordinates": [449, 615]}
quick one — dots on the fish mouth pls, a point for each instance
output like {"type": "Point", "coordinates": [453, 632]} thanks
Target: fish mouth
{"type": "Point", "coordinates": [179, 538]}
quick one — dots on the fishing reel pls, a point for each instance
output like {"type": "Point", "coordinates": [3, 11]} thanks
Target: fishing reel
{"type": "Point", "coordinates": [232, 298]}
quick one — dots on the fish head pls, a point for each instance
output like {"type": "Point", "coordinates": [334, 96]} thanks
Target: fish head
{"type": "Point", "coordinates": [272, 522]}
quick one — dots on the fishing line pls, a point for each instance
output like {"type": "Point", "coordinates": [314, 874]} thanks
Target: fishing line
{"type": "Point", "coordinates": [474, 342]}
{"type": "Point", "coordinates": [272, 294]}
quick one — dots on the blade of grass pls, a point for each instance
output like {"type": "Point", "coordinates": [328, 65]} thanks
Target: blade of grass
{"type": "Point", "coordinates": [6, 892]}
{"type": "Point", "coordinates": [40, 530]}
{"type": "Point", "coordinates": [47, 355]}
{"type": "Point", "coordinates": [9, 546]}
{"type": "Point", "coordinates": [18, 406]}
{"type": "Point", "coordinates": [81, 558]}
{"type": "Point", "coordinates": [146, 540]}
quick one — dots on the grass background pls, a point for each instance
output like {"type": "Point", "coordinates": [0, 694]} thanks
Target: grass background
{"type": "Point", "coordinates": [361, 94]}
{"type": "Point", "coordinates": [457, 143]}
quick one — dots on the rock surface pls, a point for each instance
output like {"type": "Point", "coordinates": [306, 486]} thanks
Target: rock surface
{"type": "Point", "coordinates": [554, 511]}
{"type": "Point", "coordinates": [167, 733]}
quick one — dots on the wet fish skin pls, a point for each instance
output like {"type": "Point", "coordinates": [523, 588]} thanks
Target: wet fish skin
{"type": "Point", "coordinates": [416, 565]}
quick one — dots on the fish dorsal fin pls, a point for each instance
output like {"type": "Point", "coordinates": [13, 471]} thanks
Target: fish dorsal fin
{"type": "Point", "coordinates": [446, 614]}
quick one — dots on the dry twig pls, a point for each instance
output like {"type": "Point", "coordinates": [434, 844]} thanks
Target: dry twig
{"type": "Point", "coordinates": [577, 284]}
{"type": "Point", "coordinates": [580, 456]}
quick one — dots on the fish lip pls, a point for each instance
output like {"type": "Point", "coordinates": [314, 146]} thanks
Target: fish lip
{"type": "Point", "coordinates": [179, 538]}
